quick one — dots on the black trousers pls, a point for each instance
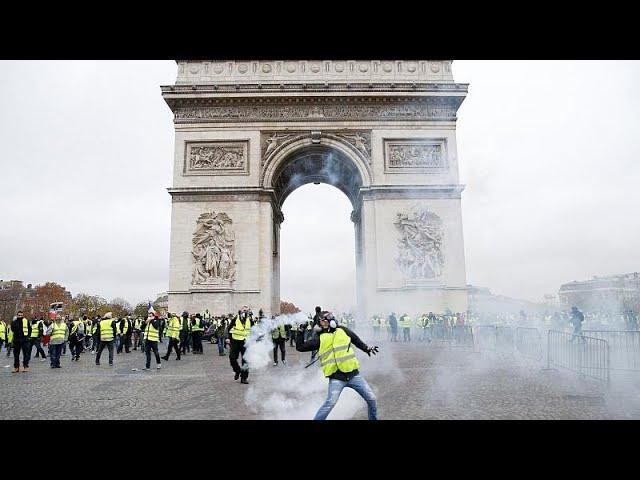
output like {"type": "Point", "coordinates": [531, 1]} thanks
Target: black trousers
{"type": "Point", "coordinates": [125, 341]}
{"type": "Point", "coordinates": [76, 346]}
{"type": "Point", "coordinates": [237, 349]}
{"type": "Point", "coordinates": [148, 346]}
{"type": "Point", "coordinates": [109, 346]}
{"type": "Point", "coordinates": [174, 343]}
{"type": "Point", "coordinates": [184, 342]}
{"type": "Point", "coordinates": [40, 351]}
{"type": "Point", "coordinates": [197, 341]}
{"type": "Point", "coordinates": [279, 343]}
{"type": "Point", "coordinates": [24, 346]}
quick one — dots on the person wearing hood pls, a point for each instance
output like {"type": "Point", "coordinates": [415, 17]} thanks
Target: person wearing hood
{"type": "Point", "coordinates": [338, 362]}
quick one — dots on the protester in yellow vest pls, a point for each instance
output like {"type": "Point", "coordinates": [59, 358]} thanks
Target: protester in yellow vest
{"type": "Point", "coordinates": [3, 333]}
{"type": "Point", "coordinates": [37, 330]}
{"type": "Point", "coordinates": [238, 331]}
{"type": "Point", "coordinates": [151, 337]}
{"type": "Point", "coordinates": [173, 332]}
{"type": "Point", "coordinates": [21, 342]}
{"type": "Point", "coordinates": [107, 331]}
{"type": "Point", "coordinates": [338, 362]}
{"type": "Point", "coordinates": [59, 334]}
{"type": "Point", "coordinates": [9, 339]}
{"type": "Point", "coordinates": [279, 337]}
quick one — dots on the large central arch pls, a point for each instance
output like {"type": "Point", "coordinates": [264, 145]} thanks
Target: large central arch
{"type": "Point", "coordinates": [248, 133]}
{"type": "Point", "coordinates": [325, 160]}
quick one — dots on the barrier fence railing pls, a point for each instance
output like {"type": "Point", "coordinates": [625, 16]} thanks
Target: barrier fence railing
{"type": "Point", "coordinates": [485, 337]}
{"type": "Point", "coordinates": [504, 339]}
{"type": "Point", "coordinates": [528, 343]}
{"type": "Point", "coordinates": [624, 347]}
{"type": "Point", "coordinates": [586, 356]}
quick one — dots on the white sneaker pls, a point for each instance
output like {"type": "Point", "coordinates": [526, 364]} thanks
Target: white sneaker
{"type": "Point", "coordinates": [159, 367]}
{"type": "Point", "coordinates": [284, 362]}
{"type": "Point", "coordinates": [275, 364]}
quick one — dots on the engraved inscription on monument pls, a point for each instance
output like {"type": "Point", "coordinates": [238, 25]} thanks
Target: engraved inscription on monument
{"type": "Point", "coordinates": [217, 158]}
{"type": "Point", "coordinates": [213, 250]}
{"type": "Point", "coordinates": [420, 245]}
{"type": "Point", "coordinates": [415, 156]}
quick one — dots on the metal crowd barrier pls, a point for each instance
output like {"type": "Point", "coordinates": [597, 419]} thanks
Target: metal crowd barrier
{"type": "Point", "coordinates": [504, 339]}
{"type": "Point", "coordinates": [485, 337]}
{"type": "Point", "coordinates": [624, 346]}
{"type": "Point", "coordinates": [528, 343]}
{"type": "Point", "coordinates": [463, 335]}
{"type": "Point", "coordinates": [587, 356]}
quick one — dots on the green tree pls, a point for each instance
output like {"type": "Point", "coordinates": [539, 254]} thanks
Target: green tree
{"type": "Point", "coordinates": [141, 309]}
{"type": "Point", "coordinates": [90, 305]}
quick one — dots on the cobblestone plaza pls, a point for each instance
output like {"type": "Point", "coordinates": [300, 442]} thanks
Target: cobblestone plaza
{"type": "Point", "coordinates": [411, 381]}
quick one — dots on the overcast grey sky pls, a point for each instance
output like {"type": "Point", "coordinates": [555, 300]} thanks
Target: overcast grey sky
{"type": "Point", "coordinates": [549, 152]}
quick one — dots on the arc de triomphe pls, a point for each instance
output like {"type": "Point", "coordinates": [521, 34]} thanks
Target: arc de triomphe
{"type": "Point", "coordinates": [248, 133]}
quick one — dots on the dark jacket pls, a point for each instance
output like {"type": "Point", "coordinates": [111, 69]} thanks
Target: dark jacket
{"type": "Point", "coordinates": [16, 328]}
{"type": "Point", "coordinates": [393, 323]}
{"type": "Point", "coordinates": [314, 344]}
{"type": "Point", "coordinates": [38, 324]}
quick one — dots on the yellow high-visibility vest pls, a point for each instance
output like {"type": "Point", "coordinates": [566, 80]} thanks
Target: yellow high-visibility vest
{"type": "Point", "coordinates": [106, 330]}
{"type": "Point", "coordinates": [58, 331]}
{"type": "Point", "coordinates": [151, 333]}
{"type": "Point", "coordinates": [279, 332]}
{"type": "Point", "coordinates": [173, 329]}
{"type": "Point", "coordinates": [336, 353]}
{"type": "Point", "coordinates": [35, 329]}
{"type": "Point", "coordinates": [240, 331]}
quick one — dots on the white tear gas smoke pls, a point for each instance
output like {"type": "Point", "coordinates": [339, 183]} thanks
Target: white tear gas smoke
{"type": "Point", "coordinates": [296, 392]}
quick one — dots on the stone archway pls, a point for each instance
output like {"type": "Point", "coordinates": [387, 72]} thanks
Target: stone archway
{"type": "Point", "coordinates": [326, 160]}
{"type": "Point", "coordinates": [248, 133]}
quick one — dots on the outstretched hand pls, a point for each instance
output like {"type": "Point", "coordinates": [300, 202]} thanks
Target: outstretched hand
{"type": "Point", "coordinates": [373, 350]}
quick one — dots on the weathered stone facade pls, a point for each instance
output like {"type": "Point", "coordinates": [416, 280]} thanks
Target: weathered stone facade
{"type": "Point", "coordinates": [248, 133]}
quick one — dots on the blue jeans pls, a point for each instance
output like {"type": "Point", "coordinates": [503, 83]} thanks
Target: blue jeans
{"type": "Point", "coordinates": [54, 354]}
{"type": "Point", "coordinates": [357, 383]}
{"type": "Point", "coordinates": [221, 344]}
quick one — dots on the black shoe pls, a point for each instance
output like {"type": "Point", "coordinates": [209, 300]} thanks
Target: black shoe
{"type": "Point", "coordinates": [178, 358]}
{"type": "Point", "coordinates": [245, 381]}
{"type": "Point", "coordinates": [166, 359]}
{"type": "Point", "coordinates": [236, 376]}
{"type": "Point", "coordinates": [98, 363]}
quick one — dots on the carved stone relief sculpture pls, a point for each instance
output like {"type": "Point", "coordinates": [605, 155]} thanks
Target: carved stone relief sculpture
{"type": "Point", "coordinates": [213, 250]}
{"type": "Point", "coordinates": [420, 245]}
{"type": "Point", "coordinates": [215, 158]}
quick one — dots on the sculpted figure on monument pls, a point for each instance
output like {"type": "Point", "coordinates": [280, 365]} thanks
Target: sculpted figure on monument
{"type": "Point", "coordinates": [216, 157]}
{"type": "Point", "coordinates": [213, 250]}
{"type": "Point", "coordinates": [420, 244]}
